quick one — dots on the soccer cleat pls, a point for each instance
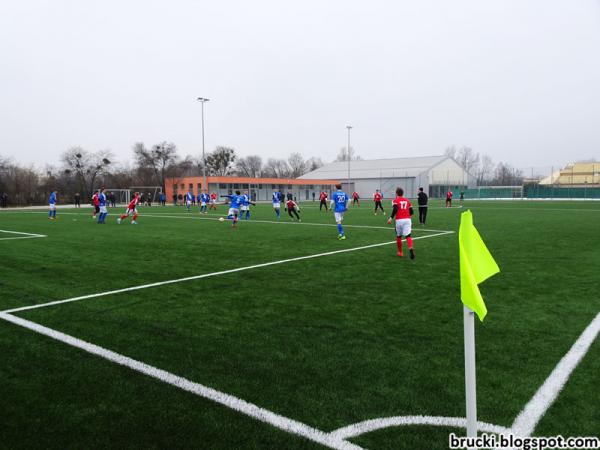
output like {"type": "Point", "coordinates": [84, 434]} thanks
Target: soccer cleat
{"type": "Point", "coordinates": [342, 237]}
{"type": "Point", "coordinates": [412, 253]}
{"type": "Point", "coordinates": [119, 220]}
{"type": "Point", "coordinates": [400, 254]}
{"type": "Point", "coordinates": [133, 222]}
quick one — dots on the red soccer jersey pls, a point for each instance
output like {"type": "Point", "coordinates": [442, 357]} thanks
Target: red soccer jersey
{"type": "Point", "coordinates": [133, 202]}
{"type": "Point", "coordinates": [355, 195]}
{"type": "Point", "coordinates": [323, 196]}
{"type": "Point", "coordinates": [403, 207]}
{"type": "Point", "coordinates": [213, 196]}
{"type": "Point", "coordinates": [95, 200]}
{"type": "Point", "coordinates": [377, 197]}
{"type": "Point", "coordinates": [449, 195]}
{"type": "Point", "coordinates": [291, 204]}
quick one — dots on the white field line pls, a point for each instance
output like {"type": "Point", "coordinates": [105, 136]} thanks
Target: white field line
{"type": "Point", "coordinates": [21, 234]}
{"type": "Point", "coordinates": [534, 410]}
{"type": "Point", "coordinates": [368, 426]}
{"type": "Point", "coordinates": [230, 401]}
{"type": "Point", "coordinates": [213, 274]}
{"type": "Point", "coordinates": [278, 222]}
{"type": "Point", "coordinates": [370, 208]}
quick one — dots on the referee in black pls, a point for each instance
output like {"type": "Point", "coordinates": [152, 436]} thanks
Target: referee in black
{"type": "Point", "coordinates": [422, 201]}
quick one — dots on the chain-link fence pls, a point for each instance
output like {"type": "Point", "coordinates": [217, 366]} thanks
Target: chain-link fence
{"type": "Point", "coordinates": [579, 181]}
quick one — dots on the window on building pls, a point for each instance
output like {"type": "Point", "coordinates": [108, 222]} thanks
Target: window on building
{"type": "Point", "coordinates": [199, 187]}
{"type": "Point", "coordinates": [222, 186]}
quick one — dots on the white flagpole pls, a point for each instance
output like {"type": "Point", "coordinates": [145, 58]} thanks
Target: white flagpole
{"type": "Point", "coordinates": [470, 386]}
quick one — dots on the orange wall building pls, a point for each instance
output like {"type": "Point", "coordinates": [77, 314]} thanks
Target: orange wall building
{"type": "Point", "coordinates": [260, 189]}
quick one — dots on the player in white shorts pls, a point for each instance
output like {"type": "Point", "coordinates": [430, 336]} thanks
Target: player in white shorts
{"type": "Point", "coordinates": [402, 211]}
{"type": "Point", "coordinates": [188, 200]}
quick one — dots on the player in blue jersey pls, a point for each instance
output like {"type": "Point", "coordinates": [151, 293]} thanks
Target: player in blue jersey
{"type": "Point", "coordinates": [102, 205]}
{"type": "Point", "coordinates": [52, 203]}
{"type": "Point", "coordinates": [277, 204]}
{"type": "Point", "coordinates": [235, 204]}
{"type": "Point", "coordinates": [340, 205]}
{"type": "Point", "coordinates": [245, 206]}
{"type": "Point", "coordinates": [203, 201]}
{"type": "Point", "coordinates": [188, 200]}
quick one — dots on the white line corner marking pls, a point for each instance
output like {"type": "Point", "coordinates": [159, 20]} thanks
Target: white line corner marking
{"type": "Point", "coordinates": [548, 392]}
{"type": "Point", "coordinates": [523, 425]}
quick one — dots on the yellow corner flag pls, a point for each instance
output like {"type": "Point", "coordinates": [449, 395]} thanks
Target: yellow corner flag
{"type": "Point", "coordinates": [476, 264]}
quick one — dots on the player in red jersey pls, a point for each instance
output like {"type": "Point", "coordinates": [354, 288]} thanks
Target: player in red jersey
{"type": "Point", "coordinates": [377, 197]}
{"type": "Point", "coordinates": [449, 199]}
{"type": "Point", "coordinates": [95, 204]}
{"type": "Point", "coordinates": [213, 200]}
{"type": "Point", "coordinates": [323, 201]}
{"type": "Point", "coordinates": [131, 209]}
{"type": "Point", "coordinates": [293, 208]}
{"type": "Point", "coordinates": [401, 211]}
{"type": "Point", "coordinates": [355, 198]}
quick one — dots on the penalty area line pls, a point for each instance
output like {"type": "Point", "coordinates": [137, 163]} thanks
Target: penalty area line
{"type": "Point", "coordinates": [213, 274]}
{"type": "Point", "coordinates": [193, 216]}
{"type": "Point", "coordinates": [21, 234]}
{"type": "Point", "coordinates": [229, 401]}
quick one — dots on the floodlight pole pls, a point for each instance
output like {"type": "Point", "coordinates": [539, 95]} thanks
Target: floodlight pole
{"type": "Point", "coordinates": [349, 127]}
{"type": "Point", "coordinates": [203, 100]}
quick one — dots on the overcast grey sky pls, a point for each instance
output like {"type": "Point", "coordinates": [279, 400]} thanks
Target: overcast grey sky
{"type": "Point", "coordinates": [516, 79]}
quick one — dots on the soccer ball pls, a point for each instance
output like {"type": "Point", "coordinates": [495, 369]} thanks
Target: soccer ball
{"type": "Point", "coordinates": [221, 219]}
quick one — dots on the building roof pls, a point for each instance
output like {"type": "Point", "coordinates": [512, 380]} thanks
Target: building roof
{"type": "Point", "coordinates": [249, 180]}
{"type": "Point", "coordinates": [377, 168]}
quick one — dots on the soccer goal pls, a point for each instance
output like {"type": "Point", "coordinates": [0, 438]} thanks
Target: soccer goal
{"type": "Point", "coordinates": [495, 193]}
{"type": "Point", "coordinates": [122, 196]}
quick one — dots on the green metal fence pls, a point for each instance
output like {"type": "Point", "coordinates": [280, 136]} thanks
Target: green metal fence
{"type": "Point", "coordinates": [533, 192]}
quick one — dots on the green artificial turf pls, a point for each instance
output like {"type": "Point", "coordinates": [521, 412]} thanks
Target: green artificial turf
{"type": "Point", "coordinates": [328, 341]}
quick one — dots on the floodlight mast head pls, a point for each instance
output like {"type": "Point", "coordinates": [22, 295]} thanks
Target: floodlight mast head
{"type": "Point", "coordinates": [348, 127]}
{"type": "Point", "coordinates": [203, 100]}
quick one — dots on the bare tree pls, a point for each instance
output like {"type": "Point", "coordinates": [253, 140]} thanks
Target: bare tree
{"type": "Point", "coordinates": [85, 166]}
{"type": "Point", "coordinates": [277, 168]}
{"type": "Point", "coordinates": [484, 170]}
{"type": "Point", "coordinates": [467, 158]}
{"type": "Point", "coordinates": [343, 155]}
{"type": "Point", "coordinates": [313, 164]}
{"type": "Point", "coordinates": [220, 162]}
{"type": "Point", "coordinates": [158, 160]}
{"type": "Point", "coordinates": [297, 165]}
{"type": "Point", "coordinates": [451, 151]}
{"type": "Point", "coordinates": [506, 175]}
{"type": "Point", "coordinates": [250, 166]}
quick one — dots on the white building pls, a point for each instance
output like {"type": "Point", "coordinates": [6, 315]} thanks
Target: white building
{"type": "Point", "coordinates": [435, 174]}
